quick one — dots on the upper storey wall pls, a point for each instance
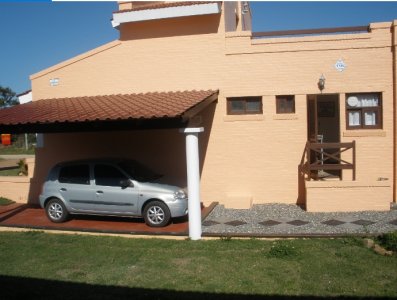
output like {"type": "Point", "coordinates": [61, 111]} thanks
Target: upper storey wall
{"type": "Point", "coordinates": [194, 53]}
{"type": "Point", "coordinates": [140, 65]}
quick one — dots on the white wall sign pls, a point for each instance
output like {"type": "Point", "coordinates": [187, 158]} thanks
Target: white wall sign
{"type": "Point", "coordinates": [340, 65]}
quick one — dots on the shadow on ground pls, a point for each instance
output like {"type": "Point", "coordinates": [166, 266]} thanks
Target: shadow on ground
{"type": "Point", "coordinates": [137, 220]}
{"type": "Point", "coordinates": [29, 288]}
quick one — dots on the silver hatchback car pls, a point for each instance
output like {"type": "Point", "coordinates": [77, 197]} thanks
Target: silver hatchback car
{"type": "Point", "coordinates": [112, 187]}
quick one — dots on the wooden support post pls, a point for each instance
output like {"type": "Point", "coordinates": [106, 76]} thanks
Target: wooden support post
{"type": "Point", "coordinates": [354, 160]}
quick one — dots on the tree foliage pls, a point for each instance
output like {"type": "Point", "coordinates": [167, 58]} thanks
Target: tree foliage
{"type": "Point", "coordinates": [7, 97]}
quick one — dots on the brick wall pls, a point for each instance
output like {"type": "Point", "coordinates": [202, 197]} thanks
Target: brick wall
{"type": "Point", "coordinates": [347, 196]}
{"type": "Point", "coordinates": [17, 188]}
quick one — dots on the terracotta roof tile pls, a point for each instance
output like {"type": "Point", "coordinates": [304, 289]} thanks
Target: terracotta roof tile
{"type": "Point", "coordinates": [101, 108]}
{"type": "Point", "coordinates": [164, 5]}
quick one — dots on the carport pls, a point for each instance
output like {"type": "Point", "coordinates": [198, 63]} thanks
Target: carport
{"type": "Point", "coordinates": [149, 111]}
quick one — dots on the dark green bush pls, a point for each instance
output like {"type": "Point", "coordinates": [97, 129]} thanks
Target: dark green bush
{"type": "Point", "coordinates": [23, 167]}
{"type": "Point", "coordinates": [389, 240]}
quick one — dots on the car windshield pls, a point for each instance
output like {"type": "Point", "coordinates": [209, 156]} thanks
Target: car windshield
{"type": "Point", "coordinates": [138, 171]}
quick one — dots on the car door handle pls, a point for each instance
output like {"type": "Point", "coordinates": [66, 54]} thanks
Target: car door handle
{"type": "Point", "coordinates": [99, 192]}
{"type": "Point", "coordinates": [63, 190]}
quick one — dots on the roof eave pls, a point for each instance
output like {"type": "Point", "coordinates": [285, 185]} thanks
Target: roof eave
{"type": "Point", "coordinates": [187, 115]}
{"type": "Point", "coordinates": [94, 126]}
{"type": "Point", "coordinates": [166, 12]}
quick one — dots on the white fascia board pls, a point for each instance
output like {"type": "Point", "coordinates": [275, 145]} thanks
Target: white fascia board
{"type": "Point", "coordinates": [167, 12]}
{"type": "Point", "coordinates": [25, 98]}
{"type": "Point", "coordinates": [115, 24]}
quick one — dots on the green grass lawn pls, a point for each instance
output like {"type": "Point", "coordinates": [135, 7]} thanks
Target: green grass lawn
{"type": "Point", "coordinates": [48, 266]}
{"type": "Point", "coordinates": [10, 172]}
{"type": "Point", "coordinates": [5, 201]}
{"type": "Point", "coordinates": [7, 150]}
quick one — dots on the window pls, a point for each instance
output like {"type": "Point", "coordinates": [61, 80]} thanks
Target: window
{"type": "Point", "coordinates": [364, 111]}
{"type": "Point", "coordinates": [244, 105]}
{"type": "Point", "coordinates": [108, 175]}
{"type": "Point", "coordinates": [77, 174]}
{"type": "Point", "coordinates": [285, 104]}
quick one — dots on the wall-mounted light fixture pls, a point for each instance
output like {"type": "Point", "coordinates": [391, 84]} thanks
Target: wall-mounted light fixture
{"type": "Point", "coordinates": [321, 82]}
{"type": "Point", "coordinates": [245, 8]}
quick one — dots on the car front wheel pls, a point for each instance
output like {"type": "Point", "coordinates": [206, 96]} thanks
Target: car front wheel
{"type": "Point", "coordinates": [156, 214]}
{"type": "Point", "coordinates": [56, 211]}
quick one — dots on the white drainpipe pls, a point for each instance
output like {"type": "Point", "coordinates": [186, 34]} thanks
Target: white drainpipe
{"type": "Point", "coordinates": [193, 181]}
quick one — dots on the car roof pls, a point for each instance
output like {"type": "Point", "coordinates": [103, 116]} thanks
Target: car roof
{"type": "Point", "coordinates": [111, 160]}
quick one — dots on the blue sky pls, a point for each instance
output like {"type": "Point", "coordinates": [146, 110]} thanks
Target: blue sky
{"type": "Point", "coordinates": [38, 35]}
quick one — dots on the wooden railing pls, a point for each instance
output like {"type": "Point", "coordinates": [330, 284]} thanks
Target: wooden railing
{"type": "Point", "coordinates": [327, 157]}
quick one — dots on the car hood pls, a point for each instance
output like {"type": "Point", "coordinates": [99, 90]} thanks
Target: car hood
{"type": "Point", "coordinates": [158, 187]}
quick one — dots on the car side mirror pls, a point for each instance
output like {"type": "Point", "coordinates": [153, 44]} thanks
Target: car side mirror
{"type": "Point", "coordinates": [126, 183]}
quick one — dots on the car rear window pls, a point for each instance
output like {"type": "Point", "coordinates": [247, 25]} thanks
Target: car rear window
{"type": "Point", "coordinates": [77, 174]}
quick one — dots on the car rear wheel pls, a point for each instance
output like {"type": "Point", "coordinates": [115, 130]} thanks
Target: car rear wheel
{"type": "Point", "coordinates": [56, 211]}
{"type": "Point", "coordinates": [156, 214]}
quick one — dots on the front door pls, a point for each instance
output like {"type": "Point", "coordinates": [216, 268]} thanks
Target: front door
{"type": "Point", "coordinates": [323, 118]}
{"type": "Point", "coordinates": [74, 186]}
{"type": "Point", "coordinates": [323, 126]}
{"type": "Point", "coordinates": [110, 196]}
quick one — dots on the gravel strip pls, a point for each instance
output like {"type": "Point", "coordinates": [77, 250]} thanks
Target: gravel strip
{"type": "Point", "coordinates": [369, 222]}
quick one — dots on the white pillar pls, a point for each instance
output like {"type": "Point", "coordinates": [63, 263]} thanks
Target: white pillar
{"type": "Point", "coordinates": [193, 181]}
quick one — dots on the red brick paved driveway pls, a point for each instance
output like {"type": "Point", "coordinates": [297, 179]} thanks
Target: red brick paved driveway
{"type": "Point", "coordinates": [32, 217]}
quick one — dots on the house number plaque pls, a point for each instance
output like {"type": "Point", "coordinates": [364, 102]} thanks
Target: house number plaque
{"type": "Point", "coordinates": [340, 65]}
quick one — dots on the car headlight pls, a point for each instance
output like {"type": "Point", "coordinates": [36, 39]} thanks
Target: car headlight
{"type": "Point", "coordinates": [180, 195]}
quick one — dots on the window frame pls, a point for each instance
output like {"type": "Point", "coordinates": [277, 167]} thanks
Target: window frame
{"type": "Point", "coordinates": [362, 110]}
{"type": "Point", "coordinates": [284, 99]}
{"type": "Point", "coordinates": [245, 101]}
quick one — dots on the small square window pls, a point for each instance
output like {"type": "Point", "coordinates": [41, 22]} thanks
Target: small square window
{"type": "Point", "coordinates": [285, 104]}
{"type": "Point", "coordinates": [244, 105]}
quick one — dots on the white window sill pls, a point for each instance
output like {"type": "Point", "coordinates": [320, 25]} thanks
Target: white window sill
{"type": "Point", "coordinates": [364, 133]}
{"type": "Point", "coordinates": [285, 117]}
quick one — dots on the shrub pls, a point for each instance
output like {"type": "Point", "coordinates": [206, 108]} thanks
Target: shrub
{"type": "Point", "coordinates": [23, 167]}
{"type": "Point", "coordinates": [389, 240]}
{"type": "Point", "coordinates": [282, 250]}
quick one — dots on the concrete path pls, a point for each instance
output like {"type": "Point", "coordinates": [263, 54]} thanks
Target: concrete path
{"type": "Point", "coordinates": [282, 220]}
{"type": "Point", "coordinates": [8, 163]}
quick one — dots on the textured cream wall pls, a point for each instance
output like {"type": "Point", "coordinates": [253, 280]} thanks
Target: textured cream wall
{"type": "Point", "coordinates": [252, 158]}
{"type": "Point", "coordinates": [347, 196]}
{"type": "Point", "coordinates": [15, 188]}
{"type": "Point", "coordinates": [394, 30]}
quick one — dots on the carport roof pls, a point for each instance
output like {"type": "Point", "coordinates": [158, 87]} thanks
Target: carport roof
{"type": "Point", "coordinates": [110, 112]}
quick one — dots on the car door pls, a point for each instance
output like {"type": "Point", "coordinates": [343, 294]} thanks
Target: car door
{"type": "Point", "coordinates": [75, 188]}
{"type": "Point", "coordinates": [110, 196]}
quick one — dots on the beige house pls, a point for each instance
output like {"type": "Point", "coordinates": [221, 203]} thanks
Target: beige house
{"type": "Point", "coordinates": [297, 117]}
